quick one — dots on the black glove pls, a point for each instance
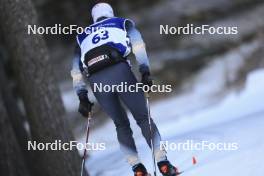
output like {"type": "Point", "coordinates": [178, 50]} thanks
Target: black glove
{"type": "Point", "coordinates": [146, 79]}
{"type": "Point", "coordinates": [85, 105]}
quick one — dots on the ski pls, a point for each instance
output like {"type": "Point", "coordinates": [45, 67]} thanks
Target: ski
{"type": "Point", "coordinates": [176, 175]}
{"type": "Point", "coordinates": [180, 173]}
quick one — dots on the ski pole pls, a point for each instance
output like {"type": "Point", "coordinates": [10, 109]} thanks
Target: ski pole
{"type": "Point", "coordinates": [87, 137]}
{"type": "Point", "coordinates": [151, 135]}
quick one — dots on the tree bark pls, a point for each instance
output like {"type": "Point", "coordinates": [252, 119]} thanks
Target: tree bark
{"type": "Point", "coordinates": [39, 91]}
{"type": "Point", "coordinates": [11, 158]}
{"type": "Point", "coordinates": [13, 112]}
{"type": "Point", "coordinates": [17, 120]}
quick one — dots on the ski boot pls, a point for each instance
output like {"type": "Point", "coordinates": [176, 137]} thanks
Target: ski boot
{"type": "Point", "coordinates": [140, 170]}
{"type": "Point", "coordinates": [167, 169]}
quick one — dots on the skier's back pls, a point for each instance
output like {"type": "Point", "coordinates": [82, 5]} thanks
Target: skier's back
{"type": "Point", "coordinates": [102, 52]}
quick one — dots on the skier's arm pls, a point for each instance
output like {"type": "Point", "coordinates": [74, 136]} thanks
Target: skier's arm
{"type": "Point", "coordinates": [138, 47]}
{"type": "Point", "coordinates": [77, 73]}
{"type": "Point", "coordinates": [139, 50]}
{"type": "Point", "coordinates": [79, 85]}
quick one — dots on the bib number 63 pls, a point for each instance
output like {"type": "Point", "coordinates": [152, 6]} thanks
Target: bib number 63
{"type": "Point", "coordinates": [102, 35]}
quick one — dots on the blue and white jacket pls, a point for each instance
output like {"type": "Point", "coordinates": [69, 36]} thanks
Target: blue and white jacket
{"type": "Point", "coordinates": [119, 33]}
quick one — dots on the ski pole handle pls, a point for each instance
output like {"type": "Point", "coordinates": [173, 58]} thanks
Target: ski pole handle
{"type": "Point", "coordinates": [89, 117]}
{"type": "Point", "coordinates": [147, 94]}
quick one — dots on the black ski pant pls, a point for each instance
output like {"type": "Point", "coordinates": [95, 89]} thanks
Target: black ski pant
{"type": "Point", "coordinates": [134, 101]}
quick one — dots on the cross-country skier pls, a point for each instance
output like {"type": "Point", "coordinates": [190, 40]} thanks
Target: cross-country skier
{"type": "Point", "coordinates": [102, 52]}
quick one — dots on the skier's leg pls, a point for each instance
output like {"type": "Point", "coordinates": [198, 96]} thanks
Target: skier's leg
{"type": "Point", "coordinates": [136, 103]}
{"type": "Point", "coordinates": [111, 105]}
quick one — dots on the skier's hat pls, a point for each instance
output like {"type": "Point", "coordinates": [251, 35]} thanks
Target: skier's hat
{"type": "Point", "coordinates": [102, 10]}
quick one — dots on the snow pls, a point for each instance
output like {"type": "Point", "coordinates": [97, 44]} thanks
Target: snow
{"type": "Point", "coordinates": [206, 111]}
{"type": "Point", "coordinates": [238, 118]}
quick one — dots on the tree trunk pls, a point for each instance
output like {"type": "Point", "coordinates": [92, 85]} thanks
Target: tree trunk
{"type": "Point", "coordinates": [17, 120]}
{"type": "Point", "coordinates": [13, 112]}
{"type": "Point", "coordinates": [39, 91]}
{"type": "Point", "coordinates": [11, 158]}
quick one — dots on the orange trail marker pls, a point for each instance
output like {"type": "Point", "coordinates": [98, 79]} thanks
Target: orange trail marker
{"type": "Point", "coordinates": [194, 161]}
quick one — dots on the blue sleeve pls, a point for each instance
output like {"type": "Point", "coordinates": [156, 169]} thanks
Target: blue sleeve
{"type": "Point", "coordinates": [77, 72]}
{"type": "Point", "coordinates": [138, 47]}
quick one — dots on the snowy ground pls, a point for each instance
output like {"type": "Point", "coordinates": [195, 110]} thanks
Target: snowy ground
{"type": "Point", "coordinates": [238, 118]}
{"type": "Point", "coordinates": [199, 114]}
